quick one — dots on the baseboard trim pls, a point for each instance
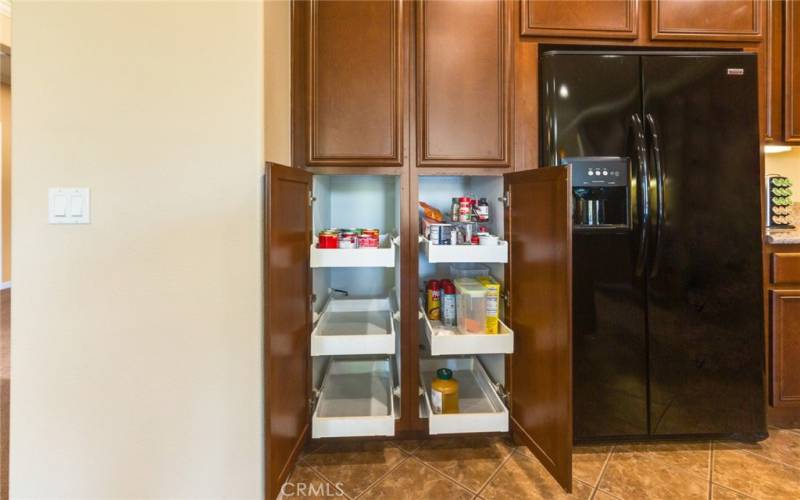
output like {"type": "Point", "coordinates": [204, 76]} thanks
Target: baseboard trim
{"type": "Point", "coordinates": [5, 286]}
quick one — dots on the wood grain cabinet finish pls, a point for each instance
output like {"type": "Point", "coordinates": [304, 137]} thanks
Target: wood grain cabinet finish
{"type": "Point", "coordinates": [355, 83]}
{"type": "Point", "coordinates": [785, 381]}
{"type": "Point", "coordinates": [785, 268]}
{"type": "Point", "coordinates": [711, 20]}
{"type": "Point", "coordinates": [792, 73]}
{"type": "Point", "coordinates": [773, 73]}
{"type": "Point", "coordinates": [581, 19]}
{"type": "Point", "coordinates": [463, 54]}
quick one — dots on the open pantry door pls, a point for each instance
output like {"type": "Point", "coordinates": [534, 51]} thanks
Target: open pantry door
{"type": "Point", "coordinates": [287, 319]}
{"type": "Point", "coordinates": [539, 283]}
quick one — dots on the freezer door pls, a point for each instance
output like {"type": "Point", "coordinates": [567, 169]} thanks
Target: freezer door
{"type": "Point", "coordinates": [287, 322]}
{"type": "Point", "coordinates": [588, 106]}
{"type": "Point", "coordinates": [539, 281]}
{"type": "Point", "coordinates": [705, 306]}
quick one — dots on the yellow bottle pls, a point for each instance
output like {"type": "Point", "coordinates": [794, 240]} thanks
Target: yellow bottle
{"type": "Point", "coordinates": [444, 392]}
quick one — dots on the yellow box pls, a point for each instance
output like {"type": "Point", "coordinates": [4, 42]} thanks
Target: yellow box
{"type": "Point", "coordinates": [492, 303]}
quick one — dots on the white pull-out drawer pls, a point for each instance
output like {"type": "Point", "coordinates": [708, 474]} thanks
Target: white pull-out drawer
{"type": "Point", "coordinates": [480, 408]}
{"type": "Point", "coordinates": [354, 326]}
{"type": "Point", "coordinates": [445, 340]}
{"type": "Point", "coordinates": [383, 256]}
{"type": "Point", "coordinates": [356, 399]}
{"type": "Point", "coordinates": [465, 253]}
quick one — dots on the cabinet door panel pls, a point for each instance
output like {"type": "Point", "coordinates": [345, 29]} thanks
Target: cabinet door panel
{"type": "Point", "coordinates": [713, 20]}
{"type": "Point", "coordinates": [539, 281]}
{"type": "Point", "coordinates": [355, 89]}
{"type": "Point", "coordinates": [785, 347]}
{"type": "Point", "coordinates": [287, 320]}
{"type": "Point", "coordinates": [463, 83]}
{"type": "Point", "coordinates": [773, 73]}
{"type": "Point", "coordinates": [792, 72]}
{"type": "Point", "coordinates": [587, 19]}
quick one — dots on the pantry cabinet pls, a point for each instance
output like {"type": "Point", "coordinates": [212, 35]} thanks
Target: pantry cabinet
{"type": "Point", "coordinates": [708, 20]}
{"type": "Point", "coordinates": [464, 75]}
{"type": "Point", "coordinates": [349, 72]}
{"type": "Point", "coordinates": [785, 347]}
{"type": "Point", "coordinates": [580, 19]}
{"type": "Point", "coordinates": [350, 351]}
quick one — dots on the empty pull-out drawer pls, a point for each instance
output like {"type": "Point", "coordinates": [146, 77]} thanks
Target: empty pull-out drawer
{"type": "Point", "coordinates": [480, 408]}
{"type": "Point", "coordinates": [356, 399]}
{"type": "Point", "coordinates": [354, 326]}
{"type": "Point", "coordinates": [445, 340]}
{"type": "Point", "coordinates": [465, 253]}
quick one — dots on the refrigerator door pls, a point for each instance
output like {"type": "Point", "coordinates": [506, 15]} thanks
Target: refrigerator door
{"type": "Point", "coordinates": [588, 101]}
{"type": "Point", "coordinates": [705, 306]}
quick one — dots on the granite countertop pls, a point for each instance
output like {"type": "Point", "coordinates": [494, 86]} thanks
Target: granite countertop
{"type": "Point", "coordinates": [786, 236]}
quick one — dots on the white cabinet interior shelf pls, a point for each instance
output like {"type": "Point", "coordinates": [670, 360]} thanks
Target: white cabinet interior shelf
{"type": "Point", "coordinates": [383, 256]}
{"type": "Point", "coordinates": [465, 253]}
{"type": "Point", "coordinates": [445, 340]}
{"type": "Point", "coordinates": [480, 408]}
{"type": "Point", "coordinates": [356, 399]}
{"type": "Point", "coordinates": [355, 326]}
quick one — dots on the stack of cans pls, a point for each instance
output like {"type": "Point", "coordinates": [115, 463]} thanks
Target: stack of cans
{"type": "Point", "coordinates": [349, 238]}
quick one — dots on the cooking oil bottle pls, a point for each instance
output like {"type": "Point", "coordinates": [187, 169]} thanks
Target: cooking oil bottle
{"type": "Point", "coordinates": [444, 392]}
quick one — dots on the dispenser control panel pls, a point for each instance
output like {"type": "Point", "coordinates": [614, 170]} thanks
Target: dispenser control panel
{"type": "Point", "coordinates": [599, 171]}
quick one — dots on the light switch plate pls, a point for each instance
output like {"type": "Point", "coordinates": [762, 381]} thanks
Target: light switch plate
{"type": "Point", "coordinates": [68, 206]}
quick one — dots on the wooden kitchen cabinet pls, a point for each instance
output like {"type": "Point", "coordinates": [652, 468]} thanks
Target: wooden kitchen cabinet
{"type": "Point", "coordinates": [349, 69]}
{"type": "Point", "coordinates": [708, 20]}
{"type": "Point", "coordinates": [346, 387]}
{"type": "Point", "coordinates": [580, 19]}
{"type": "Point", "coordinates": [792, 73]}
{"type": "Point", "coordinates": [464, 83]}
{"type": "Point", "coordinates": [785, 342]}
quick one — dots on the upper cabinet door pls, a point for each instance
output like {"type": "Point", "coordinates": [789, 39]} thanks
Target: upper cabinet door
{"type": "Point", "coordinates": [349, 94]}
{"type": "Point", "coordinates": [464, 83]}
{"type": "Point", "coordinates": [539, 277]}
{"type": "Point", "coordinates": [287, 321]}
{"type": "Point", "coordinates": [792, 72]}
{"type": "Point", "coordinates": [581, 19]}
{"type": "Point", "coordinates": [711, 20]}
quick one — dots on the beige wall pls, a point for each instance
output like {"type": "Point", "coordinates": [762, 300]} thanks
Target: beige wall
{"type": "Point", "coordinates": [786, 164]}
{"type": "Point", "coordinates": [277, 81]}
{"type": "Point", "coordinates": [136, 344]}
{"type": "Point", "coordinates": [5, 182]}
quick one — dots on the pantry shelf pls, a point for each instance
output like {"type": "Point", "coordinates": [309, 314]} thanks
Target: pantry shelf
{"type": "Point", "coordinates": [355, 326]}
{"type": "Point", "coordinates": [355, 399]}
{"type": "Point", "coordinates": [383, 256]}
{"type": "Point", "coordinates": [480, 407]}
{"type": "Point", "coordinates": [446, 340]}
{"type": "Point", "coordinates": [465, 253]}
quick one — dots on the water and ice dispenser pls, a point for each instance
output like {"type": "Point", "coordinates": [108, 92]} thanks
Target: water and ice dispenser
{"type": "Point", "coordinates": [600, 191]}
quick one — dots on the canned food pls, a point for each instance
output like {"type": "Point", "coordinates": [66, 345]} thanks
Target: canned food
{"type": "Point", "coordinates": [348, 240]}
{"type": "Point", "coordinates": [371, 232]}
{"type": "Point", "coordinates": [367, 241]}
{"type": "Point", "coordinates": [328, 239]}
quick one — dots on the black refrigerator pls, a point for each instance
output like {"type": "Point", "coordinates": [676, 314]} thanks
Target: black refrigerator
{"type": "Point", "coordinates": [668, 325]}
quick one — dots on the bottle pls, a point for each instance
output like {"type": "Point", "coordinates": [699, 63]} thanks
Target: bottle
{"type": "Point", "coordinates": [434, 300]}
{"type": "Point", "coordinates": [444, 392]}
{"type": "Point", "coordinates": [448, 303]}
{"type": "Point", "coordinates": [454, 210]}
{"type": "Point", "coordinates": [464, 209]}
{"type": "Point", "coordinates": [483, 210]}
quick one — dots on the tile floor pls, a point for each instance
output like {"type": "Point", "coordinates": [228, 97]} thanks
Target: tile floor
{"type": "Point", "coordinates": [492, 468]}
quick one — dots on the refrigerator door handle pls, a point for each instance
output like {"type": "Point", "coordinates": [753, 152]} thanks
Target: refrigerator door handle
{"type": "Point", "coordinates": [656, 148]}
{"type": "Point", "coordinates": [643, 187]}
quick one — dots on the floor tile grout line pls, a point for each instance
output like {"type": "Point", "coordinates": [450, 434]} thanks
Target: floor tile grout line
{"type": "Point", "coordinates": [750, 452]}
{"type": "Point", "coordinates": [437, 471]}
{"type": "Point", "coordinates": [382, 477]}
{"type": "Point", "coordinates": [323, 476]}
{"type": "Point", "coordinates": [493, 474]}
{"type": "Point", "coordinates": [710, 468]}
{"type": "Point", "coordinates": [602, 473]}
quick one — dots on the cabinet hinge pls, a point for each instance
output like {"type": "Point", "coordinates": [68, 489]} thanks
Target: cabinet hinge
{"type": "Point", "coordinates": [501, 392]}
{"type": "Point", "coordinates": [506, 296]}
{"type": "Point", "coordinates": [313, 297]}
{"type": "Point", "coordinates": [312, 401]}
{"type": "Point", "coordinates": [506, 199]}
{"type": "Point", "coordinates": [311, 198]}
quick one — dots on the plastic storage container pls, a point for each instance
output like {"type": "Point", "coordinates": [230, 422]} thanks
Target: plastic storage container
{"type": "Point", "coordinates": [470, 305]}
{"type": "Point", "coordinates": [468, 270]}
